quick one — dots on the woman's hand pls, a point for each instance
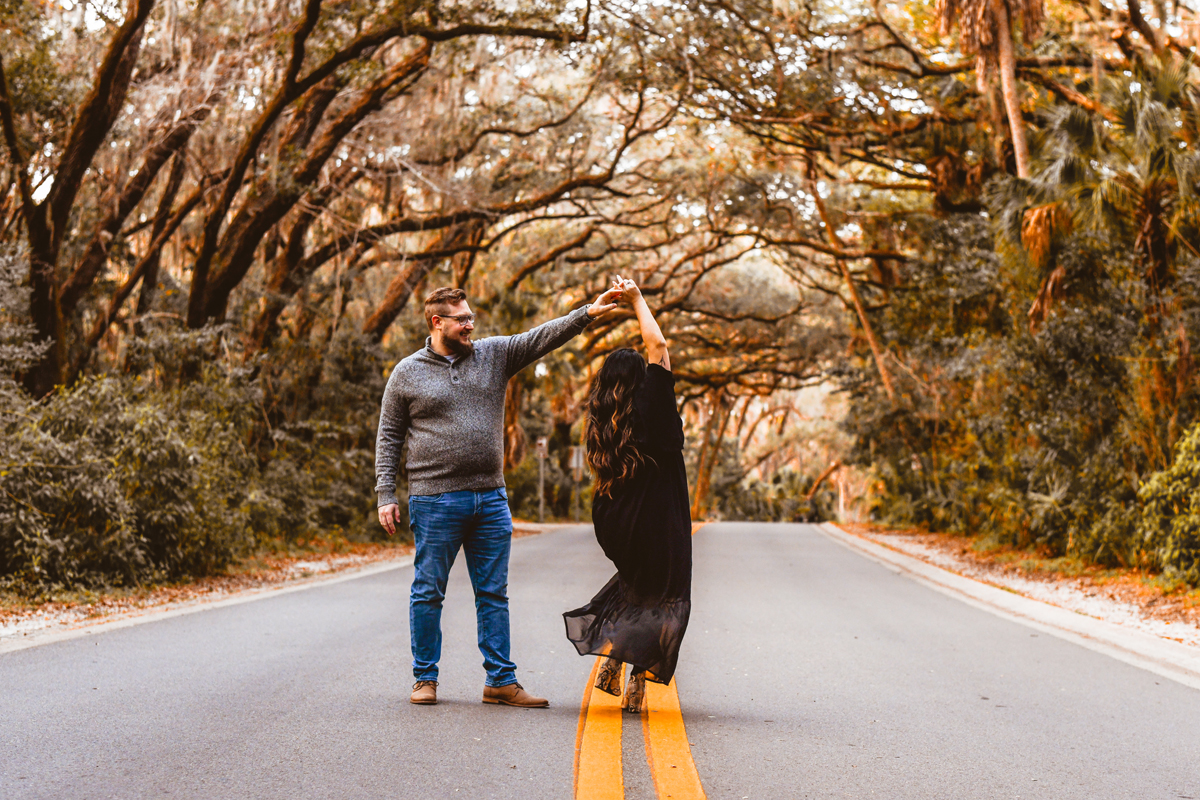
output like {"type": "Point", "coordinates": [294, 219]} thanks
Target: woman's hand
{"type": "Point", "coordinates": [652, 336]}
{"type": "Point", "coordinates": [628, 288]}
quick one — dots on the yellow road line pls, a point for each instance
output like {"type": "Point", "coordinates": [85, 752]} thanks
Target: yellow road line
{"type": "Point", "coordinates": [587, 696]}
{"type": "Point", "coordinates": [598, 774]}
{"type": "Point", "coordinates": [667, 747]}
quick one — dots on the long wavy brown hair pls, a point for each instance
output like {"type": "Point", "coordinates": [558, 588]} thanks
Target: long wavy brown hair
{"type": "Point", "coordinates": [612, 450]}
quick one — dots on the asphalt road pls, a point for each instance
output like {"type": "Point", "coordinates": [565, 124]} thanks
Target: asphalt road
{"type": "Point", "coordinates": [809, 671]}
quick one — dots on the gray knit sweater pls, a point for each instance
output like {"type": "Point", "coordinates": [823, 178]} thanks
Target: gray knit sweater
{"type": "Point", "coordinates": [453, 413]}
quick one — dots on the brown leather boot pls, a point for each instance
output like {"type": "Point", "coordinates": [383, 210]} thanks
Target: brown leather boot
{"type": "Point", "coordinates": [513, 695]}
{"type": "Point", "coordinates": [424, 693]}
{"type": "Point", "coordinates": [635, 692]}
{"type": "Point", "coordinates": [608, 677]}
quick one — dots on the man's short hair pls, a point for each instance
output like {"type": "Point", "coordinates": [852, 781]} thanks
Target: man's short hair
{"type": "Point", "coordinates": [439, 302]}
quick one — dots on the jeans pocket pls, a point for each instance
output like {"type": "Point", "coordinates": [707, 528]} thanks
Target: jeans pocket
{"type": "Point", "coordinates": [426, 498]}
{"type": "Point", "coordinates": [503, 492]}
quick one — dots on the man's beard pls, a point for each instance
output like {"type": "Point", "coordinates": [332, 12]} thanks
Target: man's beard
{"type": "Point", "coordinates": [460, 348]}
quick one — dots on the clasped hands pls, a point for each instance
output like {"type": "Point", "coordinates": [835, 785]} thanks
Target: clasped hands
{"type": "Point", "coordinates": [622, 289]}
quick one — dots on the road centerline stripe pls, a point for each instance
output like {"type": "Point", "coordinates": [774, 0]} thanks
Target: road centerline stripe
{"type": "Point", "coordinates": [583, 708]}
{"type": "Point", "coordinates": [598, 771]}
{"type": "Point", "coordinates": [667, 746]}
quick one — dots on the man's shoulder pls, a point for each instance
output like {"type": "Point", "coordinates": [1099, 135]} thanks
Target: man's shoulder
{"type": "Point", "coordinates": [491, 343]}
{"type": "Point", "coordinates": [413, 363]}
{"type": "Point", "coordinates": [413, 358]}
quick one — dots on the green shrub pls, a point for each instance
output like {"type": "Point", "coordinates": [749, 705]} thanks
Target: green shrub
{"type": "Point", "coordinates": [114, 483]}
{"type": "Point", "coordinates": [1030, 435]}
{"type": "Point", "coordinates": [1170, 518]}
{"type": "Point", "coordinates": [781, 499]}
{"type": "Point", "coordinates": [120, 480]}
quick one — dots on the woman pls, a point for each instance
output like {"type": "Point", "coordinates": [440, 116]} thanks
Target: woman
{"type": "Point", "coordinates": [640, 509]}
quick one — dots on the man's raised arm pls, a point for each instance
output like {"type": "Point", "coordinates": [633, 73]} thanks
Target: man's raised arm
{"type": "Point", "coordinates": [526, 348]}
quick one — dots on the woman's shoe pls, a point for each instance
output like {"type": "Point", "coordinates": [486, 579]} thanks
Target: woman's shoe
{"type": "Point", "coordinates": [635, 692]}
{"type": "Point", "coordinates": [608, 679]}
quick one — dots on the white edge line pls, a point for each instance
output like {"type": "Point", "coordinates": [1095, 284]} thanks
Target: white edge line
{"type": "Point", "coordinates": [138, 617]}
{"type": "Point", "coordinates": [15, 643]}
{"type": "Point", "coordinates": [1163, 657]}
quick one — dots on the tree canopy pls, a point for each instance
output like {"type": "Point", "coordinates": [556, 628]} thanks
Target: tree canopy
{"type": "Point", "coordinates": [975, 221]}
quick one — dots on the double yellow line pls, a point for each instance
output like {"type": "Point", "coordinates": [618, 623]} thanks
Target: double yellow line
{"type": "Point", "coordinates": [598, 770]}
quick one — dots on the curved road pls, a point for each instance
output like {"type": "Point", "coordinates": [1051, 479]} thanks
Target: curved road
{"type": "Point", "coordinates": [809, 671]}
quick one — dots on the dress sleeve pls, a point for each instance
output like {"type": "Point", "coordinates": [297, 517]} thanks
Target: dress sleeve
{"type": "Point", "coordinates": [664, 427]}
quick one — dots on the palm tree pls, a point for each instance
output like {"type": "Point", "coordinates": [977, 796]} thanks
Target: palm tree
{"type": "Point", "coordinates": [1134, 184]}
{"type": "Point", "coordinates": [987, 34]}
{"type": "Point", "coordinates": [1145, 191]}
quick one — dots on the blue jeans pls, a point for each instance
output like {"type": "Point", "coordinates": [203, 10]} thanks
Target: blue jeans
{"type": "Point", "coordinates": [481, 524]}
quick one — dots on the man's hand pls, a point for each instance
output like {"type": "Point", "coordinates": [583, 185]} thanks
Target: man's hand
{"type": "Point", "coordinates": [604, 303]}
{"type": "Point", "coordinates": [389, 517]}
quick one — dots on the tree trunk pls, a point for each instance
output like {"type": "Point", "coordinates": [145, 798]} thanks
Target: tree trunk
{"type": "Point", "coordinates": [709, 452]}
{"type": "Point", "coordinates": [832, 468]}
{"type": "Point", "coordinates": [987, 87]}
{"type": "Point", "coordinates": [150, 276]}
{"type": "Point", "coordinates": [398, 292]}
{"type": "Point", "coordinates": [232, 253]}
{"type": "Point", "coordinates": [47, 222]}
{"type": "Point", "coordinates": [514, 434]}
{"type": "Point", "coordinates": [876, 350]}
{"type": "Point", "coordinates": [126, 199]}
{"type": "Point", "coordinates": [47, 373]}
{"type": "Point", "coordinates": [1009, 86]}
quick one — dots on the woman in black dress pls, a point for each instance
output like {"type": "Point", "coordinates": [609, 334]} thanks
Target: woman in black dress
{"type": "Point", "coordinates": [641, 514]}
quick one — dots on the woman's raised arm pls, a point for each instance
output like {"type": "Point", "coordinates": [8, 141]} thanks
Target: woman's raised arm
{"type": "Point", "coordinates": [652, 336]}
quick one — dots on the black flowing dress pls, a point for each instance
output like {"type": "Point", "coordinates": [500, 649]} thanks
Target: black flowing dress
{"type": "Point", "coordinates": [645, 528]}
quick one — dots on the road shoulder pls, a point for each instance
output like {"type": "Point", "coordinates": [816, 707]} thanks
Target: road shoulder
{"type": "Point", "coordinates": [39, 627]}
{"type": "Point", "coordinates": [1164, 657]}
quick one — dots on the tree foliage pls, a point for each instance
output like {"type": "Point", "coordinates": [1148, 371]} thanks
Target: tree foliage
{"type": "Point", "coordinates": [984, 233]}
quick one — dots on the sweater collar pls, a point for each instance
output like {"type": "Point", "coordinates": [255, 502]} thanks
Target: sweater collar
{"type": "Point", "coordinates": [429, 351]}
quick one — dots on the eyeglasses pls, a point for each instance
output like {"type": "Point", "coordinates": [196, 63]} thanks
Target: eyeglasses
{"type": "Point", "coordinates": [461, 319]}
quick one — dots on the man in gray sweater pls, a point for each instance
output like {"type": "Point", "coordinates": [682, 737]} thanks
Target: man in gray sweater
{"type": "Point", "coordinates": [447, 399]}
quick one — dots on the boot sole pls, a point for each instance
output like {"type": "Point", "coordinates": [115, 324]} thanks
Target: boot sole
{"type": "Point", "coordinates": [514, 705]}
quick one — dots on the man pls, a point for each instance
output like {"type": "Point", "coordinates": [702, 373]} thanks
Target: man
{"type": "Point", "coordinates": [448, 400]}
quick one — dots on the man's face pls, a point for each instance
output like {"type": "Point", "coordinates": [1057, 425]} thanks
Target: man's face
{"type": "Point", "coordinates": [456, 333]}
